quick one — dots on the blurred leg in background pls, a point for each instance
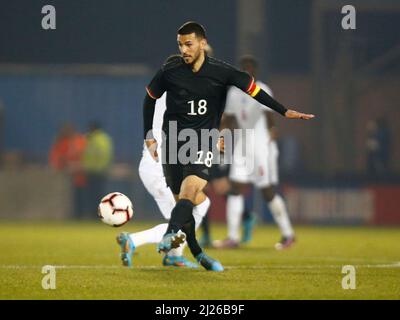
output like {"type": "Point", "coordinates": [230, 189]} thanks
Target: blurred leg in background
{"type": "Point", "coordinates": [220, 184]}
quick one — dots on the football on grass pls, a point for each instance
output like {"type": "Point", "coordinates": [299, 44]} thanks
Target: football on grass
{"type": "Point", "coordinates": [115, 209]}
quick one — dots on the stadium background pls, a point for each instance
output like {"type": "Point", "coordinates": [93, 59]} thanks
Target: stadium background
{"type": "Point", "coordinates": [95, 65]}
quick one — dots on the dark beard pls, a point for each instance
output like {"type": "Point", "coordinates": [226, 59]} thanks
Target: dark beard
{"type": "Point", "coordinates": [193, 62]}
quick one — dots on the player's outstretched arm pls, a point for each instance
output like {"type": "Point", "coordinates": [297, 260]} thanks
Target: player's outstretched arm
{"type": "Point", "coordinates": [264, 98]}
{"type": "Point", "coordinates": [247, 83]}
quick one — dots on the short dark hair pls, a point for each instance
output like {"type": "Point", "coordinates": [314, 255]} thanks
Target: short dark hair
{"type": "Point", "coordinates": [248, 59]}
{"type": "Point", "coordinates": [193, 27]}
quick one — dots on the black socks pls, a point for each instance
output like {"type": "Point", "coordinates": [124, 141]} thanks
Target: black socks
{"type": "Point", "coordinates": [190, 230]}
{"type": "Point", "coordinates": [180, 215]}
{"type": "Point", "coordinates": [206, 226]}
{"type": "Point", "coordinates": [182, 219]}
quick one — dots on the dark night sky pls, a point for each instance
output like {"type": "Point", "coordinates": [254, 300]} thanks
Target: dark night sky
{"type": "Point", "coordinates": [99, 31]}
{"type": "Point", "coordinates": [127, 31]}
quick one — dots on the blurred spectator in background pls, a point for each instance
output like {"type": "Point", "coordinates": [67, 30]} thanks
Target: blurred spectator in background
{"type": "Point", "coordinates": [378, 148]}
{"type": "Point", "coordinates": [66, 156]}
{"type": "Point", "coordinates": [97, 160]}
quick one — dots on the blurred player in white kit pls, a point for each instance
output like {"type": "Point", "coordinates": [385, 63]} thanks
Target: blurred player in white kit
{"type": "Point", "coordinates": [255, 161]}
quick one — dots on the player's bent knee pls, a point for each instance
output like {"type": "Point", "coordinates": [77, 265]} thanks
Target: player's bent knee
{"type": "Point", "coordinates": [200, 198]}
{"type": "Point", "coordinates": [193, 193]}
{"type": "Point", "coordinates": [189, 193]}
{"type": "Point", "coordinates": [191, 187]}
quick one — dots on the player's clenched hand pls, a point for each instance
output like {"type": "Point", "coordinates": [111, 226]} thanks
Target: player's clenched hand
{"type": "Point", "coordinates": [292, 114]}
{"type": "Point", "coordinates": [152, 145]}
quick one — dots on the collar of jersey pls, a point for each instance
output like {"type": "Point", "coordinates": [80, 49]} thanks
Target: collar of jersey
{"type": "Point", "coordinates": [202, 66]}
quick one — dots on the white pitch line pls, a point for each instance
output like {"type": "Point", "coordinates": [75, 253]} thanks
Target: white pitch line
{"type": "Point", "coordinates": [313, 266]}
{"type": "Point", "coordinates": [337, 259]}
{"type": "Point", "coordinates": [334, 259]}
{"type": "Point", "coordinates": [59, 266]}
{"type": "Point", "coordinates": [255, 267]}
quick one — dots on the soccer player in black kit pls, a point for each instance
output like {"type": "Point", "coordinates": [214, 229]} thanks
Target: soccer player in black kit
{"type": "Point", "coordinates": [196, 87]}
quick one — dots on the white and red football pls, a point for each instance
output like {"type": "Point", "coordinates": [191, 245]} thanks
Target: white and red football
{"type": "Point", "coordinates": [115, 209]}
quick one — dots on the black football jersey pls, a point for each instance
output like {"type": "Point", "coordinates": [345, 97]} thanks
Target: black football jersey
{"type": "Point", "coordinates": [196, 100]}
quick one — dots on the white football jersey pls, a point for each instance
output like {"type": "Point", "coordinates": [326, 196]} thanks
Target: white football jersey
{"type": "Point", "coordinates": [247, 110]}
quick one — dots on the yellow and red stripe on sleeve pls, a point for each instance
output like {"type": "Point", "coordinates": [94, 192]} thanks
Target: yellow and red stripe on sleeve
{"type": "Point", "coordinates": [253, 88]}
{"type": "Point", "coordinates": [151, 94]}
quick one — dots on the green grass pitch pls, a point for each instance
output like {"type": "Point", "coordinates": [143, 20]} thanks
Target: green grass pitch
{"type": "Point", "coordinates": [87, 263]}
